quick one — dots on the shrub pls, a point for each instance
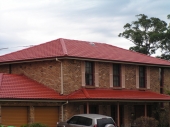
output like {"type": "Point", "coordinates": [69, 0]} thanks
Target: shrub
{"type": "Point", "coordinates": [35, 125]}
{"type": "Point", "coordinates": [146, 122]}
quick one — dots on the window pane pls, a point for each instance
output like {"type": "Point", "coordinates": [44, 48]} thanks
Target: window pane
{"type": "Point", "coordinates": [89, 73]}
{"type": "Point", "coordinates": [141, 76]}
{"type": "Point", "coordinates": [116, 75]}
{"type": "Point", "coordinates": [73, 120]}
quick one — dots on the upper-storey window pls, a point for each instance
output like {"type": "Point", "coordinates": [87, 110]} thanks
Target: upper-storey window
{"type": "Point", "coordinates": [161, 78]}
{"type": "Point", "coordinates": [116, 75]}
{"type": "Point", "coordinates": [89, 73]}
{"type": "Point", "coordinates": [142, 77]}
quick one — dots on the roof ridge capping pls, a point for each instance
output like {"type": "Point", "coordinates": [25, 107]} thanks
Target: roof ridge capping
{"type": "Point", "coordinates": [63, 46]}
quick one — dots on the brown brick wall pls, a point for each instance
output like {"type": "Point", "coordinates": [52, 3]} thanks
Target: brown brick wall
{"type": "Point", "coordinates": [104, 75]}
{"type": "Point", "coordinates": [4, 68]}
{"type": "Point", "coordinates": [45, 72]}
{"type": "Point", "coordinates": [72, 75]}
{"type": "Point", "coordinates": [70, 110]}
{"type": "Point", "coordinates": [154, 79]}
{"type": "Point", "coordinates": [130, 76]}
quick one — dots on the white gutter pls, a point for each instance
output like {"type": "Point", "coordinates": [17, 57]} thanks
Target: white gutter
{"type": "Point", "coordinates": [62, 111]}
{"type": "Point", "coordinates": [61, 76]}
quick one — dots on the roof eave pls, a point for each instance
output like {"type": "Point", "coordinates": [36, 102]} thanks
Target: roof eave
{"type": "Point", "coordinates": [117, 100]}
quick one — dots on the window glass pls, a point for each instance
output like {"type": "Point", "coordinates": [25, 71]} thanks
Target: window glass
{"type": "Point", "coordinates": [116, 75]}
{"type": "Point", "coordinates": [79, 120]}
{"type": "Point", "coordinates": [84, 121]}
{"type": "Point", "coordinates": [73, 120]}
{"type": "Point", "coordinates": [142, 77]}
{"type": "Point", "coordinates": [89, 73]}
{"type": "Point", "coordinates": [102, 122]}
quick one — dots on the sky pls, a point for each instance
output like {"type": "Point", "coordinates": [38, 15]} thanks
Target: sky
{"type": "Point", "coordinates": [25, 23]}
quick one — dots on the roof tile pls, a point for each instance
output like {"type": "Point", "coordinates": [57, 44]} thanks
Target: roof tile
{"type": "Point", "coordinates": [111, 94]}
{"type": "Point", "coordinates": [81, 49]}
{"type": "Point", "coordinates": [21, 87]}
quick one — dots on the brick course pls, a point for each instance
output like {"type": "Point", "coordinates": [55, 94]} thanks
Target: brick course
{"type": "Point", "coordinates": [154, 79]}
{"type": "Point", "coordinates": [104, 75]}
{"type": "Point", "coordinates": [72, 75]}
{"type": "Point", "coordinates": [130, 76]}
{"type": "Point", "coordinates": [45, 72]}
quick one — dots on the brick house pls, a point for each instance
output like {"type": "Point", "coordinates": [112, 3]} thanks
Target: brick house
{"type": "Point", "coordinates": [52, 81]}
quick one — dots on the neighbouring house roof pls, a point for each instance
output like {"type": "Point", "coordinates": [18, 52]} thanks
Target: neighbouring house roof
{"type": "Point", "coordinates": [14, 86]}
{"type": "Point", "coordinates": [80, 49]}
{"type": "Point", "coordinates": [117, 95]}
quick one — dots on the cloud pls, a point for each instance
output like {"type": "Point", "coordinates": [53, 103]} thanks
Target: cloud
{"type": "Point", "coordinates": [33, 22]}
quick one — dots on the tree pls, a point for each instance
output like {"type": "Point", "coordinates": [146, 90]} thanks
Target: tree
{"type": "Point", "coordinates": [165, 44]}
{"type": "Point", "coordinates": [146, 33]}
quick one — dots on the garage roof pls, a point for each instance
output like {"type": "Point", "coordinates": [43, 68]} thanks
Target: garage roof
{"type": "Point", "coordinates": [112, 94]}
{"type": "Point", "coordinates": [14, 86]}
{"type": "Point", "coordinates": [80, 49]}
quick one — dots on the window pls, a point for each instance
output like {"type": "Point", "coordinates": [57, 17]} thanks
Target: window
{"type": "Point", "coordinates": [93, 109]}
{"type": "Point", "coordinates": [142, 77]}
{"type": "Point", "coordinates": [161, 78]}
{"type": "Point", "coordinates": [89, 73]}
{"type": "Point", "coordinates": [79, 120]}
{"type": "Point", "coordinates": [161, 83]}
{"type": "Point", "coordinates": [104, 121]}
{"type": "Point", "coordinates": [116, 75]}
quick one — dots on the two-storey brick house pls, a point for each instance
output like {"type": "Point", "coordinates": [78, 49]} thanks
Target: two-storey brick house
{"type": "Point", "coordinates": [55, 80]}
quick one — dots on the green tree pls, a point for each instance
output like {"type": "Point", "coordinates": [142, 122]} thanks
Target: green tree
{"type": "Point", "coordinates": [146, 33]}
{"type": "Point", "coordinates": [165, 44]}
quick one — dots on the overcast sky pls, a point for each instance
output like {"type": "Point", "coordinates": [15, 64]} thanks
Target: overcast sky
{"type": "Point", "coordinates": [30, 22]}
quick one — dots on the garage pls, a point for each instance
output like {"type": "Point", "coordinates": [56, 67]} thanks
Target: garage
{"type": "Point", "coordinates": [46, 115]}
{"type": "Point", "coordinates": [15, 116]}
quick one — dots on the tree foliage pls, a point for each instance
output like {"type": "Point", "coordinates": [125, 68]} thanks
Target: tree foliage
{"type": "Point", "coordinates": [148, 34]}
{"type": "Point", "coordinates": [165, 45]}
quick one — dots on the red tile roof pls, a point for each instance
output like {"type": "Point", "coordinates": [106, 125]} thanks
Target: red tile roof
{"type": "Point", "coordinates": [80, 49]}
{"type": "Point", "coordinates": [111, 94]}
{"type": "Point", "coordinates": [20, 87]}
{"type": "Point", "coordinates": [15, 87]}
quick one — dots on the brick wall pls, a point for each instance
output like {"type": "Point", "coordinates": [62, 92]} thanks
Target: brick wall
{"type": "Point", "coordinates": [154, 79]}
{"type": "Point", "coordinates": [104, 75]}
{"type": "Point", "coordinates": [45, 72]}
{"type": "Point", "coordinates": [49, 74]}
{"type": "Point", "coordinates": [72, 75]}
{"type": "Point", "coordinates": [130, 76]}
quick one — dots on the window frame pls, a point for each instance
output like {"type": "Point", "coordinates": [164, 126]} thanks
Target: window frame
{"type": "Point", "coordinates": [142, 76]}
{"type": "Point", "coordinates": [89, 73]}
{"type": "Point", "coordinates": [161, 80]}
{"type": "Point", "coordinates": [116, 74]}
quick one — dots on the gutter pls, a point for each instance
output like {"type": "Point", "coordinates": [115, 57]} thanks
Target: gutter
{"type": "Point", "coordinates": [61, 76]}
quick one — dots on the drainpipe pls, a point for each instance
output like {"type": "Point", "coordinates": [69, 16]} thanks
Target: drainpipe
{"type": "Point", "coordinates": [61, 75]}
{"type": "Point", "coordinates": [62, 111]}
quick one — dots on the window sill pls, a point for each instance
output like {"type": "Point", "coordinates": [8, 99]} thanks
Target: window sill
{"type": "Point", "coordinates": [88, 86]}
{"type": "Point", "coordinates": [142, 89]}
{"type": "Point", "coordinates": [117, 88]}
